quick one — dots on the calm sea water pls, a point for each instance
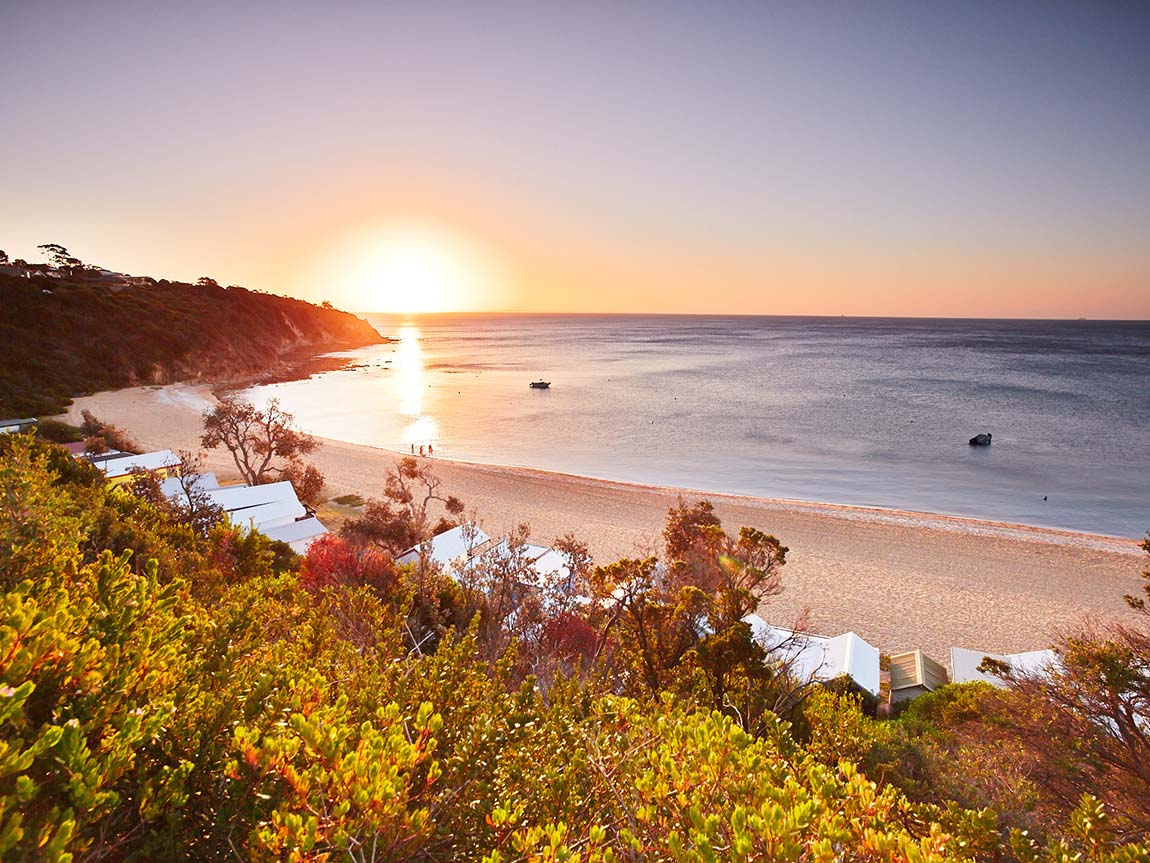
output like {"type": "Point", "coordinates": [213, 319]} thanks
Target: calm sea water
{"type": "Point", "coordinates": [874, 412]}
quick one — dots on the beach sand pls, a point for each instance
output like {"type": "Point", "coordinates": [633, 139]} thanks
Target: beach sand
{"type": "Point", "coordinates": [901, 580]}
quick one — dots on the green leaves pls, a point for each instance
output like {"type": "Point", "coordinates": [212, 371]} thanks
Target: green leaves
{"type": "Point", "coordinates": [92, 662]}
{"type": "Point", "coordinates": [143, 717]}
{"type": "Point", "coordinates": [334, 785]}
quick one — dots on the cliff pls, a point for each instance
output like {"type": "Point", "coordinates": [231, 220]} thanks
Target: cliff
{"type": "Point", "coordinates": [65, 337]}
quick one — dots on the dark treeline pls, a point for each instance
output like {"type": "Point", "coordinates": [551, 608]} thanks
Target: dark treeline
{"type": "Point", "coordinates": [76, 334]}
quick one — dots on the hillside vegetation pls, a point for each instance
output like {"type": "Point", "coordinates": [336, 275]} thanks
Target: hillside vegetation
{"type": "Point", "coordinates": [175, 690]}
{"type": "Point", "coordinates": [72, 336]}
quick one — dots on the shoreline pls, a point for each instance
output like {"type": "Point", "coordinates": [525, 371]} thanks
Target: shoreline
{"type": "Point", "coordinates": [938, 520]}
{"type": "Point", "coordinates": [901, 579]}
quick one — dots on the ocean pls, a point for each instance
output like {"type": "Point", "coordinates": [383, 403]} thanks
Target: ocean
{"type": "Point", "coordinates": [869, 412]}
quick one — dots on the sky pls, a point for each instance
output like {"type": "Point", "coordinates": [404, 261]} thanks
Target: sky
{"type": "Point", "coordinates": [971, 159]}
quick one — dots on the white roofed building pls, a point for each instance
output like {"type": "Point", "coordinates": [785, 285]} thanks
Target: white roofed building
{"type": "Point", "coordinates": [549, 568]}
{"type": "Point", "coordinates": [15, 426]}
{"type": "Point", "coordinates": [273, 509]}
{"type": "Point", "coordinates": [451, 546]}
{"type": "Point", "coordinates": [466, 550]}
{"type": "Point", "coordinates": [174, 486]}
{"type": "Point", "coordinates": [261, 516]}
{"type": "Point", "coordinates": [118, 466]}
{"type": "Point", "coordinates": [820, 657]}
{"type": "Point", "coordinates": [298, 534]}
{"type": "Point", "coordinates": [964, 664]}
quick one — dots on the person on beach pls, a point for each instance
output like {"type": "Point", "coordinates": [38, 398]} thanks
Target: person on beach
{"type": "Point", "coordinates": [413, 449]}
{"type": "Point", "coordinates": [420, 449]}
{"type": "Point", "coordinates": [430, 449]}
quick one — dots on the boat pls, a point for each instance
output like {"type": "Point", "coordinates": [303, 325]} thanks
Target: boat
{"type": "Point", "coordinates": [540, 385]}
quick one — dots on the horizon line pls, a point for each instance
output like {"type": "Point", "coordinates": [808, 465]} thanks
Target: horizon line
{"type": "Point", "coordinates": [522, 313]}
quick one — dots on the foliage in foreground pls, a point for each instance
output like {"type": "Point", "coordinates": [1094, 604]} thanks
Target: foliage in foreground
{"type": "Point", "coordinates": [204, 705]}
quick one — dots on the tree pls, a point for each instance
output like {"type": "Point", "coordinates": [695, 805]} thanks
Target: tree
{"type": "Point", "coordinates": [1139, 603]}
{"type": "Point", "coordinates": [1084, 721]}
{"type": "Point", "coordinates": [1085, 724]}
{"type": "Point", "coordinates": [494, 586]}
{"type": "Point", "coordinates": [100, 436]}
{"type": "Point", "coordinates": [60, 257]}
{"type": "Point", "coordinates": [682, 531]}
{"type": "Point", "coordinates": [749, 570]}
{"type": "Point", "coordinates": [207, 282]}
{"type": "Point", "coordinates": [263, 443]}
{"type": "Point", "coordinates": [738, 572]}
{"type": "Point", "coordinates": [307, 480]}
{"type": "Point", "coordinates": [194, 506]}
{"type": "Point", "coordinates": [655, 624]}
{"type": "Point", "coordinates": [579, 561]}
{"type": "Point", "coordinates": [403, 517]}
{"type": "Point", "coordinates": [3, 257]}
{"type": "Point", "coordinates": [40, 525]}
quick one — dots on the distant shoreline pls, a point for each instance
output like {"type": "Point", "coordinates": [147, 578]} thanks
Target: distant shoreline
{"type": "Point", "coordinates": [900, 579]}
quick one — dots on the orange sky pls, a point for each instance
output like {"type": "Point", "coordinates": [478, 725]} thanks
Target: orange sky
{"type": "Point", "coordinates": [972, 161]}
{"type": "Point", "coordinates": [531, 269]}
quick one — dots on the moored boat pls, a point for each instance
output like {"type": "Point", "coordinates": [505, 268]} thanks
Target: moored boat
{"type": "Point", "coordinates": [540, 385]}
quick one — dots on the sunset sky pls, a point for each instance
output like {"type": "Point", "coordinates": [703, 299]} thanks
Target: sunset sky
{"type": "Point", "coordinates": [966, 159]}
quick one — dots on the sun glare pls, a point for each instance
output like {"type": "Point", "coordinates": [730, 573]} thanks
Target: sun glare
{"type": "Point", "coordinates": [409, 267]}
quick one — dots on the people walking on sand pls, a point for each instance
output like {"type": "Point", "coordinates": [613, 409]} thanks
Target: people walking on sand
{"type": "Point", "coordinates": [430, 450]}
{"type": "Point", "coordinates": [413, 449]}
{"type": "Point", "coordinates": [421, 449]}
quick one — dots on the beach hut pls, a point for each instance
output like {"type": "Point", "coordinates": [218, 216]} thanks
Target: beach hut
{"type": "Point", "coordinates": [450, 546]}
{"type": "Point", "coordinates": [914, 673]}
{"type": "Point", "coordinates": [119, 466]}
{"type": "Point", "coordinates": [548, 568]}
{"type": "Point", "coordinates": [820, 657]}
{"type": "Point", "coordinates": [262, 514]}
{"type": "Point", "coordinates": [298, 534]}
{"type": "Point", "coordinates": [16, 426]}
{"type": "Point", "coordinates": [175, 487]}
{"type": "Point", "coordinates": [964, 664]}
{"type": "Point", "coordinates": [252, 507]}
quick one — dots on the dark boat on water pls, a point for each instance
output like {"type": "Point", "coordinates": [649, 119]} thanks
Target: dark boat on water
{"type": "Point", "coordinates": [540, 385]}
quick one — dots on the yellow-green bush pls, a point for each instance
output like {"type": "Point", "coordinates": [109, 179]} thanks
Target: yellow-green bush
{"type": "Point", "coordinates": [145, 717]}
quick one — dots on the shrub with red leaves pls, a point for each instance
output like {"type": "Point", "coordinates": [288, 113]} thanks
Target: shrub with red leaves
{"type": "Point", "coordinates": [332, 560]}
{"type": "Point", "coordinates": [569, 637]}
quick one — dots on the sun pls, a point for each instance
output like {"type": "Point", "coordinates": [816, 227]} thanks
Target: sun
{"type": "Point", "coordinates": [411, 267]}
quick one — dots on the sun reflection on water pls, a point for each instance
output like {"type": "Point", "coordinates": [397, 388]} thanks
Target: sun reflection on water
{"type": "Point", "coordinates": [411, 383]}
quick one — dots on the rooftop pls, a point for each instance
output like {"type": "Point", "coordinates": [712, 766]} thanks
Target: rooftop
{"type": "Point", "coordinates": [821, 657]}
{"type": "Point", "coordinates": [451, 545]}
{"type": "Point", "coordinates": [964, 664]}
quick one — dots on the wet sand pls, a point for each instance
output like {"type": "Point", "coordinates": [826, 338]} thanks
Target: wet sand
{"type": "Point", "coordinates": [899, 579]}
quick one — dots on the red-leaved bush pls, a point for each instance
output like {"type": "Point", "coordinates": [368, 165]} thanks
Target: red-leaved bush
{"type": "Point", "coordinates": [570, 637]}
{"type": "Point", "coordinates": [332, 560]}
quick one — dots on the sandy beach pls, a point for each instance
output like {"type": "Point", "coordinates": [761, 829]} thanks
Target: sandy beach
{"type": "Point", "coordinates": [899, 579]}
